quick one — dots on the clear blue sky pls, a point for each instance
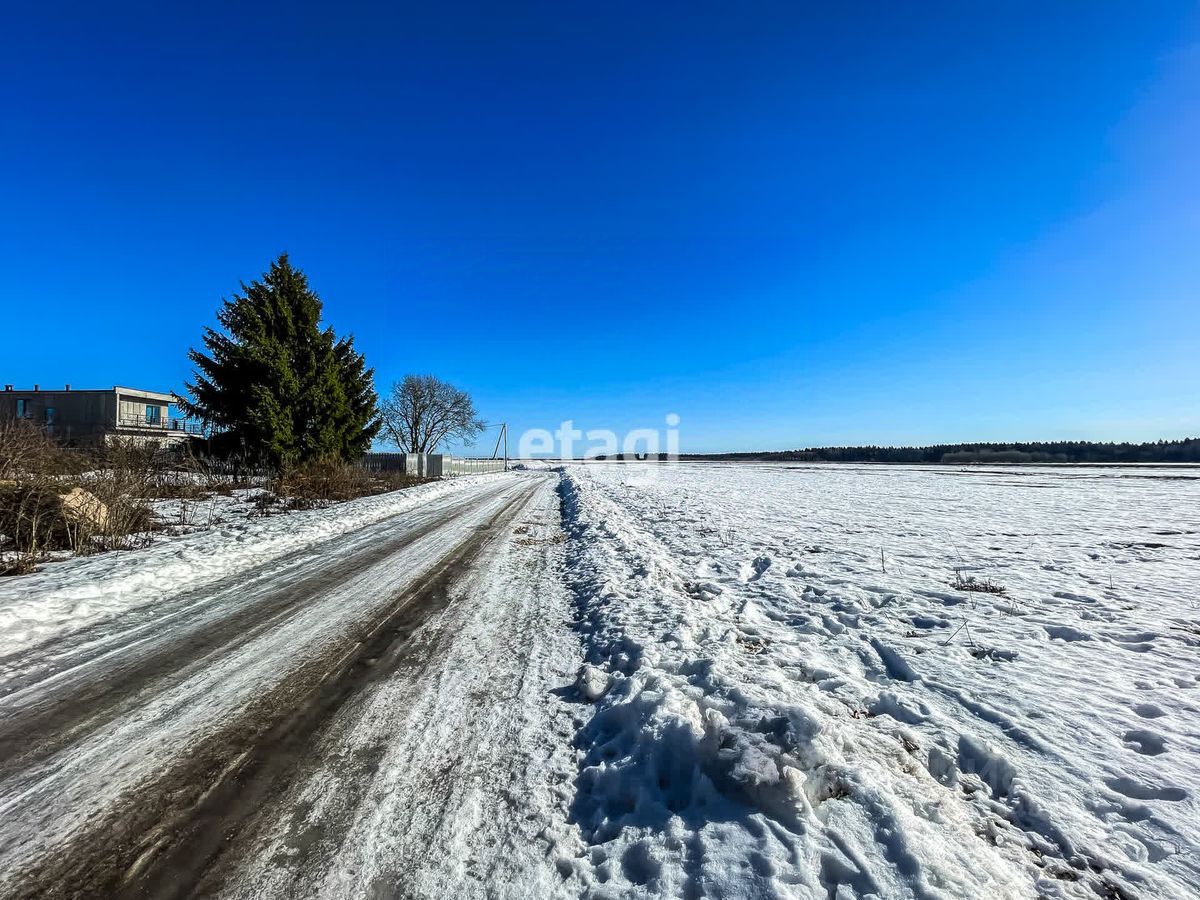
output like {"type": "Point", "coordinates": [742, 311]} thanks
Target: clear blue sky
{"type": "Point", "coordinates": [791, 224]}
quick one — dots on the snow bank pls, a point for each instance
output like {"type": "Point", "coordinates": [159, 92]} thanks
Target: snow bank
{"type": "Point", "coordinates": [789, 712]}
{"type": "Point", "coordinates": [72, 594]}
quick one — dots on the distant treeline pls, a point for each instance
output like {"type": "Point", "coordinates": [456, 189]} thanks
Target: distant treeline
{"type": "Point", "coordinates": [1184, 451]}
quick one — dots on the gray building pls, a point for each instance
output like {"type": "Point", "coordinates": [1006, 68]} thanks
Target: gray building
{"type": "Point", "coordinates": [98, 417]}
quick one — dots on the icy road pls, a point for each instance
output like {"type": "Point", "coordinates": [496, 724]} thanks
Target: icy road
{"type": "Point", "coordinates": [348, 721]}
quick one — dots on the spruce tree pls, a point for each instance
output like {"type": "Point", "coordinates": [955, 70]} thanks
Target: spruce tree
{"type": "Point", "coordinates": [361, 423]}
{"type": "Point", "coordinates": [275, 386]}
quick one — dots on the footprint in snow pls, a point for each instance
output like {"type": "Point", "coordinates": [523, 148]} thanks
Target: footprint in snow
{"type": "Point", "coordinates": [1139, 642]}
{"type": "Point", "coordinates": [1137, 648]}
{"type": "Point", "coordinates": [755, 570]}
{"type": "Point", "coordinates": [704, 590]}
{"type": "Point", "coordinates": [1078, 598]}
{"type": "Point", "coordinates": [1149, 710]}
{"type": "Point", "coordinates": [1066, 633]}
{"type": "Point", "coordinates": [1138, 791]}
{"type": "Point", "coordinates": [1145, 742]}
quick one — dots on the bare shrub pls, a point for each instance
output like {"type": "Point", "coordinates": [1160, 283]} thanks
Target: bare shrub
{"type": "Point", "coordinates": [128, 474]}
{"type": "Point", "coordinates": [26, 451]}
{"type": "Point", "coordinates": [267, 504]}
{"type": "Point", "coordinates": [185, 476]}
{"type": "Point", "coordinates": [54, 499]}
{"type": "Point", "coordinates": [20, 446]}
{"type": "Point", "coordinates": [34, 474]}
{"type": "Point", "coordinates": [176, 485]}
{"type": "Point", "coordinates": [31, 517]}
{"type": "Point", "coordinates": [224, 476]}
{"type": "Point", "coordinates": [18, 564]}
{"type": "Point", "coordinates": [987, 586]}
{"type": "Point", "coordinates": [321, 482]}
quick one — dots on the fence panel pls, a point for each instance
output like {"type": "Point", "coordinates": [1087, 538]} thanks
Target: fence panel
{"type": "Point", "coordinates": [429, 465]}
{"type": "Point", "coordinates": [383, 462]}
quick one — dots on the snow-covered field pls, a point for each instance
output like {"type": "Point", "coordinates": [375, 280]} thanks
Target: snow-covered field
{"type": "Point", "coordinates": [793, 700]}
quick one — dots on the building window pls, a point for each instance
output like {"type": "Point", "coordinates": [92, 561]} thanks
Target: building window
{"type": "Point", "coordinates": [49, 415]}
{"type": "Point", "coordinates": [22, 408]}
{"type": "Point", "coordinates": [153, 415]}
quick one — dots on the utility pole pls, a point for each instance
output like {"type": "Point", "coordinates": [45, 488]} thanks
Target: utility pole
{"type": "Point", "coordinates": [502, 436]}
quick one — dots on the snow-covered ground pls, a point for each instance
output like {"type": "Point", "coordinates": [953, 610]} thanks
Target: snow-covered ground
{"type": "Point", "coordinates": [453, 780]}
{"type": "Point", "coordinates": [784, 695]}
{"type": "Point", "coordinates": [793, 700]}
{"type": "Point", "coordinates": [213, 538]}
{"type": "Point", "coordinates": [289, 707]}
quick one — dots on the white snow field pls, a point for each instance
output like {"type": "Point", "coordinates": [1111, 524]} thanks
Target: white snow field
{"type": "Point", "coordinates": [791, 700]}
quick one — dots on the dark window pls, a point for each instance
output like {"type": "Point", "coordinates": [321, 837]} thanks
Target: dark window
{"type": "Point", "coordinates": [22, 409]}
{"type": "Point", "coordinates": [153, 415]}
{"type": "Point", "coordinates": [49, 415]}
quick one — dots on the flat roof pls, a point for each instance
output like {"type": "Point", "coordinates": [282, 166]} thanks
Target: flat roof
{"type": "Point", "coordinates": [115, 389]}
{"type": "Point", "coordinates": [156, 395]}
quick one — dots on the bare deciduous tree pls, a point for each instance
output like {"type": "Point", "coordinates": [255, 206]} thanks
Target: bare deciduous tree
{"type": "Point", "coordinates": [422, 412]}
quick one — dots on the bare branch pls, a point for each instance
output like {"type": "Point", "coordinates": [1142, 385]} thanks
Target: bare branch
{"type": "Point", "coordinates": [423, 413]}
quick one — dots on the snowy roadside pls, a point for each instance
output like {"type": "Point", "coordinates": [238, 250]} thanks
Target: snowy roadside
{"type": "Point", "coordinates": [71, 594]}
{"type": "Point", "coordinates": [778, 716]}
{"type": "Point", "coordinates": [450, 779]}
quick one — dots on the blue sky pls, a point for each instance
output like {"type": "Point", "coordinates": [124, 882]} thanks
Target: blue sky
{"type": "Point", "coordinates": [791, 224]}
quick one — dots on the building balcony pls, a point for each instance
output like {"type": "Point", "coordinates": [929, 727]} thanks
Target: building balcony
{"type": "Point", "coordinates": [157, 424]}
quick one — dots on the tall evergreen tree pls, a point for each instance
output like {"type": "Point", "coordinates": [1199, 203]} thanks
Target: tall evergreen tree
{"type": "Point", "coordinates": [274, 385]}
{"type": "Point", "coordinates": [362, 403]}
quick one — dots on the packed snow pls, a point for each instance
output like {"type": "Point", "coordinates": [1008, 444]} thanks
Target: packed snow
{"type": "Point", "coordinates": [793, 698]}
{"type": "Point", "coordinates": [217, 539]}
{"type": "Point", "coordinates": [455, 780]}
{"type": "Point", "coordinates": [288, 621]}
